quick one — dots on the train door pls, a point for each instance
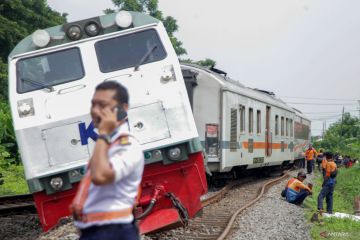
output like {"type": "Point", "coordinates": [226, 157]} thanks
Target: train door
{"type": "Point", "coordinates": [268, 137]}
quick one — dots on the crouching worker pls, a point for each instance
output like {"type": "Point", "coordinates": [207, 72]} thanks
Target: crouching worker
{"type": "Point", "coordinates": [327, 192]}
{"type": "Point", "coordinates": [102, 207]}
{"type": "Point", "coordinates": [296, 190]}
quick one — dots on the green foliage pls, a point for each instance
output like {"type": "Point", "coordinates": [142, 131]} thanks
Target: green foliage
{"type": "Point", "coordinates": [151, 7]}
{"type": "Point", "coordinates": [14, 180]}
{"type": "Point", "coordinates": [8, 147]}
{"type": "Point", "coordinates": [3, 81]}
{"type": "Point", "coordinates": [205, 63]}
{"type": "Point", "coordinates": [343, 137]}
{"type": "Point", "coordinates": [347, 187]}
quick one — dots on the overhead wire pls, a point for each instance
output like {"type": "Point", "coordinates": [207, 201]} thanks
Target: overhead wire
{"type": "Point", "coordinates": [330, 104]}
{"type": "Point", "coordinates": [330, 99]}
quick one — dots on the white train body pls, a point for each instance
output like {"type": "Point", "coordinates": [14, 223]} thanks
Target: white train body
{"type": "Point", "coordinates": [240, 127]}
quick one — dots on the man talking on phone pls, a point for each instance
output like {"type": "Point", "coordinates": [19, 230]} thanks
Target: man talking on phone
{"type": "Point", "coordinates": [102, 207]}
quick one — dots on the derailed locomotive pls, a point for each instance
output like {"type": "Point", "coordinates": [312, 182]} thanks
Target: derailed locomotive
{"type": "Point", "coordinates": [52, 77]}
{"type": "Point", "coordinates": [242, 128]}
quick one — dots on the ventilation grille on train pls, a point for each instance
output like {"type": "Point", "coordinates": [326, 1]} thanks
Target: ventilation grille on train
{"type": "Point", "coordinates": [233, 130]}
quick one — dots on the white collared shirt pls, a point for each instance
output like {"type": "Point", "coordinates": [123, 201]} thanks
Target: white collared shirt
{"type": "Point", "coordinates": [128, 162]}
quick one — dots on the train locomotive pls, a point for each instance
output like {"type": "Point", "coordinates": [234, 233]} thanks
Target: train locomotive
{"type": "Point", "coordinates": [242, 128]}
{"type": "Point", "coordinates": [52, 77]}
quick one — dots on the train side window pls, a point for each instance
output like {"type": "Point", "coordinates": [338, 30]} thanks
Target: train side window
{"type": "Point", "coordinates": [258, 121]}
{"type": "Point", "coordinates": [276, 125]}
{"type": "Point", "coordinates": [287, 127]}
{"type": "Point", "coordinates": [242, 118]}
{"type": "Point", "coordinates": [291, 128]}
{"type": "Point", "coordinates": [251, 120]}
{"type": "Point", "coordinates": [282, 126]}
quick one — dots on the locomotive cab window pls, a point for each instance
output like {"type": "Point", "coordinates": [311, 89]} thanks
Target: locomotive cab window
{"type": "Point", "coordinates": [47, 70]}
{"type": "Point", "coordinates": [129, 51]}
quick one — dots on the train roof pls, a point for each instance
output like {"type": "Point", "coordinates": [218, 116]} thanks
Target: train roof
{"type": "Point", "coordinates": [300, 114]}
{"type": "Point", "coordinates": [235, 86]}
{"type": "Point", "coordinates": [58, 35]}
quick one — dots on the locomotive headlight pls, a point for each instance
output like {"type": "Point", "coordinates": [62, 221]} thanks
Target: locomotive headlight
{"type": "Point", "coordinates": [56, 183]}
{"type": "Point", "coordinates": [25, 107]}
{"type": "Point", "coordinates": [174, 153]}
{"type": "Point", "coordinates": [40, 38]}
{"type": "Point", "coordinates": [74, 32]}
{"type": "Point", "coordinates": [123, 19]}
{"type": "Point", "coordinates": [92, 29]}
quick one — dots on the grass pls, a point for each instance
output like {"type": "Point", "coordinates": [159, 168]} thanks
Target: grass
{"type": "Point", "coordinates": [14, 181]}
{"type": "Point", "coordinates": [347, 187]}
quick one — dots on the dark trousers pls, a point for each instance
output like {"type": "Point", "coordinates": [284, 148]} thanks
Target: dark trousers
{"type": "Point", "coordinates": [323, 172]}
{"type": "Point", "coordinates": [310, 166]}
{"type": "Point", "coordinates": [319, 166]}
{"type": "Point", "coordinates": [300, 197]}
{"type": "Point", "coordinates": [110, 232]}
{"type": "Point", "coordinates": [326, 192]}
{"type": "Point", "coordinates": [302, 163]}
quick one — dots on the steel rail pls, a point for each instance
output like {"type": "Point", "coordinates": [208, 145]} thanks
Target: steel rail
{"type": "Point", "coordinates": [262, 191]}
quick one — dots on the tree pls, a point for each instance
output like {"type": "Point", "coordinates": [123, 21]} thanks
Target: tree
{"type": "Point", "coordinates": [205, 63]}
{"type": "Point", "coordinates": [343, 137]}
{"type": "Point", "coordinates": [151, 7]}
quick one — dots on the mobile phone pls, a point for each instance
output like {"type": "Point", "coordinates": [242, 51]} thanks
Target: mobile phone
{"type": "Point", "coordinates": [121, 113]}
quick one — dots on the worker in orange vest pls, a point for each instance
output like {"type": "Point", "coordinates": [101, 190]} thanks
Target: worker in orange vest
{"type": "Point", "coordinates": [310, 155]}
{"type": "Point", "coordinates": [330, 166]}
{"type": "Point", "coordinates": [328, 185]}
{"type": "Point", "coordinates": [296, 191]}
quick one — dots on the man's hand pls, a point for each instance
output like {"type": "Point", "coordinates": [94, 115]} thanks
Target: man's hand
{"type": "Point", "coordinates": [108, 121]}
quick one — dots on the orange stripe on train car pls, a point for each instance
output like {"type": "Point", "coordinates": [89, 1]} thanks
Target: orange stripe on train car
{"type": "Point", "coordinates": [262, 145]}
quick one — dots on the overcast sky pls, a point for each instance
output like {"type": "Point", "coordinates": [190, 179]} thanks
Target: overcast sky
{"type": "Point", "coordinates": [295, 48]}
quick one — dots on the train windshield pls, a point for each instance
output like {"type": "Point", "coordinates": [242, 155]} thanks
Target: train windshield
{"type": "Point", "coordinates": [129, 51]}
{"type": "Point", "coordinates": [50, 69]}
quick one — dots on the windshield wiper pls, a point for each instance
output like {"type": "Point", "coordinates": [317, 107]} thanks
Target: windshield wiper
{"type": "Point", "coordinates": [143, 59]}
{"type": "Point", "coordinates": [39, 84]}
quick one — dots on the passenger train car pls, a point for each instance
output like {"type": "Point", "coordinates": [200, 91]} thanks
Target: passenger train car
{"type": "Point", "coordinates": [242, 128]}
{"type": "Point", "coordinates": [52, 77]}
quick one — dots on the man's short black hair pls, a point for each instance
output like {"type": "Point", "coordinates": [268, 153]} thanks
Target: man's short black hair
{"type": "Point", "coordinates": [301, 174]}
{"type": "Point", "coordinates": [121, 93]}
{"type": "Point", "coordinates": [329, 155]}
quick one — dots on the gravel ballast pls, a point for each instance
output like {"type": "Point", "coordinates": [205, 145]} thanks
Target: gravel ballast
{"type": "Point", "coordinates": [272, 218]}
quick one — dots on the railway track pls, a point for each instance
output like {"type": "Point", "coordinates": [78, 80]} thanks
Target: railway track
{"type": "Point", "coordinates": [17, 204]}
{"type": "Point", "coordinates": [219, 212]}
